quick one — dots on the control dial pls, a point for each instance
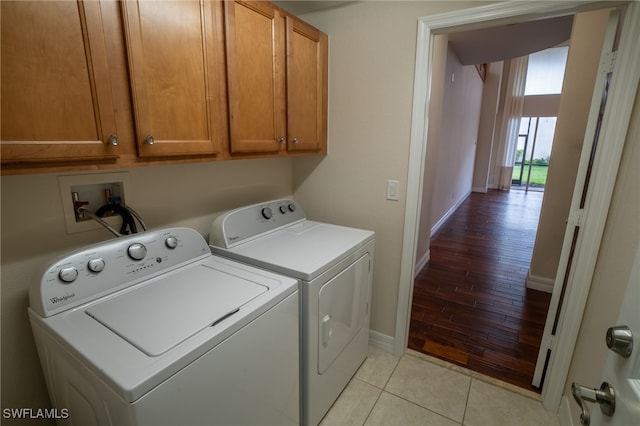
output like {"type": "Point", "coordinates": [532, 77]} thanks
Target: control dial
{"type": "Point", "coordinates": [283, 209]}
{"type": "Point", "coordinates": [171, 242]}
{"type": "Point", "coordinates": [267, 213]}
{"type": "Point", "coordinates": [137, 251]}
{"type": "Point", "coordinates": [68, 275]}
{"type": "Point", "coordinates": [96, 265]}
{"type": "Point", "coordinates": [292, 207]}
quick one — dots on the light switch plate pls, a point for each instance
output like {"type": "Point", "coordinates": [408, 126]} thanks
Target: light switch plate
{"type": "Point", "coordinates": [393, 190]}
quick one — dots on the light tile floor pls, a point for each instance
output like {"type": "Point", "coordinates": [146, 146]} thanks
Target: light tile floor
{"type": "Point", "coordinates": [420, 390]}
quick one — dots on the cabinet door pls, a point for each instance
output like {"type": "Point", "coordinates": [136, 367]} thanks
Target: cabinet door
{"type": "Point", "coordinates": [57, 103]}
{"type": "Point", "coordinates": [256, 80]}
{"type": "Point", "coordinates": [307, 50]}
{"type": "Point", "coordinates": [176, 67]}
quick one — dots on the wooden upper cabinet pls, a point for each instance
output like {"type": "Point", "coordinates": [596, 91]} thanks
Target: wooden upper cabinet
{"type": "Point", "coordinates": [176, 63]}
{"type": "Point", "coordinates": [56, 103]}
{"type": "Point", "coordinates": [307, 80]}
{"type": "Point", "coordinates": [277, 80]}
{"type": "Point", "coordinates": [256, 76]}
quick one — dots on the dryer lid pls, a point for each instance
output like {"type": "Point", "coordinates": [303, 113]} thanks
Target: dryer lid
{"type": "Point", "coordinates": [157, 316]}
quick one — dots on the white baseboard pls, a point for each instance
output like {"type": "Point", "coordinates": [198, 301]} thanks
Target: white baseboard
{"type": "Point", "coordinates": [536, 282]}
{"type": "Point", "coordinates": [482, 189]}
{"type": "Point", "coordinates": [420, 264]}
{"type": "Point", "coordinates": [381, 341]}
{"type": "Point", "coordinates": [566, 418]}
{"type": "Point", "coordinates": [446, 216]}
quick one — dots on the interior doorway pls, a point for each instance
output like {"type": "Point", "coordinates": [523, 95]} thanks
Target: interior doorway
{"type": "Point", "coordinates": [615, 127]}
{"type": "Point", "coordinates": [490, 322]}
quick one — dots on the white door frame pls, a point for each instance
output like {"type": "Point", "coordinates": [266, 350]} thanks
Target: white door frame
{"type": "Point", "coordinates": [620, 104]}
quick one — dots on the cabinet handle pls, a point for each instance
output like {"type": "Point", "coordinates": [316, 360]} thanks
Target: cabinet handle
{"type": "Point", "coordinates": [149, 140]}
{"type": "Point", "coordinates": [281, 141]}
{"type": "Point", "coordinates": [113, 140]}
{"type": "Point", "coordinates": [295, 141]}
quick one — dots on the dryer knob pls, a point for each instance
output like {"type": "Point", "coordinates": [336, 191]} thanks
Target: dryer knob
{"type": "Point", "coordinates": [292, 207]}
{"type": "Point", "coordinates": [68, 275]}
{"type": "Point", "coordinates": [137, 251]}
{"type": "Point", "coordinates": [267, 213]}
{"type": "Point", "coordinates": [171, 242]}
{"type": "Point", "coordinates": [283, 209]}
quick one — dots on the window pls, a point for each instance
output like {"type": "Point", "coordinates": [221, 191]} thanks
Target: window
{"type": "Point", "coordinates": [545, 72]}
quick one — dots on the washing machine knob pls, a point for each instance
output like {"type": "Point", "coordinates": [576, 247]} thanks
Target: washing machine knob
{"type": "Point", "coordinates": [267, 213]}
{"type": "Point", "coordinates": [171, 242]}
{"type": "Point", "coordinates": [137, 251]}
{"type": "Point", "coordinates": [68, 274]}
{"type": "Point", "coordinates": [283, 209]}
{"type": "Point", "coordinates": [292, 207]}
{"type": "Point", "coordinates": [96, 265]}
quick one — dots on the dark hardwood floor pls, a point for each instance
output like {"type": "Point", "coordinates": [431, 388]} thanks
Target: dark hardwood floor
{"type": "Point", "coordinates": [471, 306]}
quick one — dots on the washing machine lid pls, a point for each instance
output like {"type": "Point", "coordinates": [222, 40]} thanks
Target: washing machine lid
{"type": "Point", "coordinates": [157, 317]}
{"type": "Point", "coordinates": [303, 250]}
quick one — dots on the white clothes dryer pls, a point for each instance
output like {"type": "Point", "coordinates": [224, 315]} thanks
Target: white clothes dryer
{"type": "Point", "coordinates": [334, 267]}
{"type": "Point", "coordinates": [152, 329]}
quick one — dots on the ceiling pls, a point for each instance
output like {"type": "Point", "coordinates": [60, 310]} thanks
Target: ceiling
{"type": "Point", "coordinates": [510, 41]}
{"type": "Point", "coordinates": [300, 7]}
{"type": "Point", "coordinates": [477, 46]}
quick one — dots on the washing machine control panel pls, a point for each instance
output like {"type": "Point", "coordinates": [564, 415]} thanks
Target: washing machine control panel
{"type": "Point", "coordinates": [100, 269]}
{"type": "Point", "coordinates": [237, 226]}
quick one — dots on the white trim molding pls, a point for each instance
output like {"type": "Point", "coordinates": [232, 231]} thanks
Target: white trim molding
{"type": "Point", "coordinates": [566, 417]}
{"type": "Point", "coordinates": [420, 264]}
{"type": "Point", "coordinates": [536, 282]}
{"type": "Point", "coordinates": [381, 341]}
{"type": "Point", "coordinates": [481, 189]}
{"type": "Point", "coordinates": [448, 214]}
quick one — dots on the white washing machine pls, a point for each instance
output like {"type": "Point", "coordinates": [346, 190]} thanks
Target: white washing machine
{"type": "Point", "coordinates": [152, 329]}
{"type": "Point", "coordinates": [334, 266]}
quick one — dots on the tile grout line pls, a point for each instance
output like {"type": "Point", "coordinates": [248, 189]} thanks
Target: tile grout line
{"type": "Point", "coordinates": [466, 403]}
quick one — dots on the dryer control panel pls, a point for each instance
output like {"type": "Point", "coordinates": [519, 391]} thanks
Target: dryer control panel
{"type": "Point", "coordinates": [95, 271]}
{"type": "Point", "coordinates": [240, 225]}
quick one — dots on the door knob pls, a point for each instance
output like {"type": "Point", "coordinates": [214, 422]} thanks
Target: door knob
{"type": "Point", "coordinates": [605, 397]}
{"type": "Point", "coordinates": [620, 340]}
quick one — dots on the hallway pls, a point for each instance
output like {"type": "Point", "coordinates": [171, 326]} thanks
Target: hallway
{"type": "Point", "coordinates": [470, 305]}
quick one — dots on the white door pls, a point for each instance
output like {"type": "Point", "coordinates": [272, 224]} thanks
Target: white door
{"type": "Point", "coordinates": [565, 278]}
{"type": "Point", "coordinates": [623, 374]}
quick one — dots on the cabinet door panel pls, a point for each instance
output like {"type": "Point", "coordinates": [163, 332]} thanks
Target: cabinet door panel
{"type": "Point", "coordinates": [306, 87]}
{"type": "Point", "coordinates": [255, 72]}
{"type": "Point", "coordinates": [57, 103]}
{"type": "Point", "coordinates": [176, 73]}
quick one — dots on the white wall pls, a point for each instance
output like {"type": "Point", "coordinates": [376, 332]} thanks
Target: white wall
{"type": "Point", "coordinates": [456, 150]}
{"type": "Point", "coordinates": [371, 66]}
{"type": "Point", "coordinates": [33, 233]}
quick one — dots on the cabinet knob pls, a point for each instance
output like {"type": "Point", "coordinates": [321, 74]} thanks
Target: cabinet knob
{"type": "Point", "coordinates": [295, 141]}
{"type": "Point", "coordinates": [149, 140]}
{"type": "Point", "coordinates": [281, 141]}
{"type": "Point", "coordinates": [113, 140]}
